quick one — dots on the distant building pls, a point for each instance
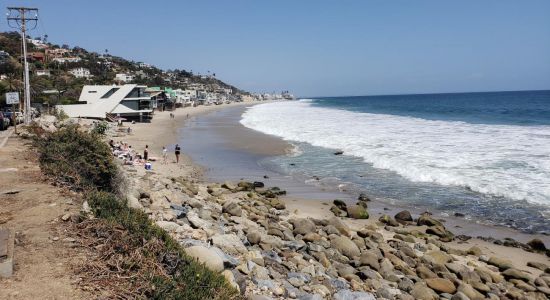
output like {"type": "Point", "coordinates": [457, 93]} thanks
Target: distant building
{"type": "Point", "coordinates": [38, 43]}
{"type": "Point", "coordinates": [109, 101]}
{"type": "Point", "coordinates": [63, 60]}
{"type": "Point", "coordinates": [43, 72]}
{"type": "Point", "coordinates": [80, 73]}
{"type": "Point", "coordinates": [58, 52]}
{"type": "Point", "coordinates": [144, 65]}
{"type": "Point", "coordinates": [37, 56]}
{"type": "Point", "coordinates": [4, 56]}
{"type": "Point", "coordinates": [123, 77]}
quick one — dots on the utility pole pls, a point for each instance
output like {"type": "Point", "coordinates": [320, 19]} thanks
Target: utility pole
{"type": "Point", "coordinates": [18, 17]}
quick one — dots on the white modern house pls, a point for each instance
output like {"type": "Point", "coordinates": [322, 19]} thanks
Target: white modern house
{"type": "Point", "coordinates": [129, 101]}
{"type": "Point", "coordinates": [185, 97]}
{"type": "Point", "coordinates": [80, 73]}
{"type": "Point", "coordinates": [63, 60]}
{"type": "Point", "coordinates": [123, 77]}
{"type": "Point", "coordinates": [43, 73]}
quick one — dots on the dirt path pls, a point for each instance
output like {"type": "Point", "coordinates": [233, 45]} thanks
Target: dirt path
{"type": "Point", "coordinates": [33, 210]}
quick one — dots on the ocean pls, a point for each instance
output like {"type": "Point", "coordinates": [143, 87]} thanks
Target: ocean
{"type": "Point", "coordinates": [484, 155]}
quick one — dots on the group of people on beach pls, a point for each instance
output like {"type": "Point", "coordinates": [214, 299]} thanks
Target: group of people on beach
{"type": "Point", "coordinates": [130, 157]}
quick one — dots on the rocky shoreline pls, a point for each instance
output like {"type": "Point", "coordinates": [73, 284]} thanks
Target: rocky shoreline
{"type": "Point", "coordinates": [244, 231]}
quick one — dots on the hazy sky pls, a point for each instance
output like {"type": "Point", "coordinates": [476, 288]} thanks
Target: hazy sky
{"type": "Point", "coordinates": [316, 47]}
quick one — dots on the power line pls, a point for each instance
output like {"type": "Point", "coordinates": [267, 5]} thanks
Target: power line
{"type": "Point", "coordinates": [22, 17]}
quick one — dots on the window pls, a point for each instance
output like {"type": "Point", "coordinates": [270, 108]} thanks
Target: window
{"type": "Point", "coordinates": [109, 93]}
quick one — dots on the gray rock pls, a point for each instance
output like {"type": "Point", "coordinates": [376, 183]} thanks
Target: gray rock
{"type": "Point", "coordinates": [421, 292]}
{"type": "Point", "coordinates": [358, 212]}
{"type": "Point", "coordinates": [254, 237]}
{"type": "Point", "coordinates": [232, 208]}
{"type": "Point", "coordinates": [345, 246]}
{"type": "Point", "coordinates": [228, 260]}
{"type": "Point", "coordinates": [302, 276]}
{"type": "Point", "coordinates": [311, 297]}
{"type": "Point", "coordinates": [459, 296]}
{"type": "Point", "coordinates": [513, 273]}
{"type": "Point", "coordinates": [229, 243]}
{"type": "Point", "coordinates": [264, 283]}
{"type": "Point", "coordinates": [296, 282]}
{"type": "Point", "coordinates": [303, 226]}
{"type": "Point", "coordinates": [403, 217]}
{"type": "Point", "coordinates": [501, 263]}
{"type": "Point", "coordinates": [441, 285]}
{"type": "Point", "coordinates": [349, 295]}
{"type": "Point", "coordinates": [338, 284]}
{"type": "Point", "coordinates": [341, 226]}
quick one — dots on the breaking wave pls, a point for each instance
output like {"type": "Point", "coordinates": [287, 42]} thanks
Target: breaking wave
{"type": "Point", "coordinates": [499, 160]}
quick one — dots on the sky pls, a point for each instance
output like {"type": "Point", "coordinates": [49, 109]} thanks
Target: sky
{"type": "Point", "coordinates": [319, 47]}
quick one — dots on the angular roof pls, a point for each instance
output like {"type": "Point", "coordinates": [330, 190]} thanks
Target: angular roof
{"type": "Point", "coordinates": [98, 100]}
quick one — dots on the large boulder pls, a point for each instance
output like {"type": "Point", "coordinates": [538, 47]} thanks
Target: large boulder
{"type": "Point", "coordinates": [513, 273]}
{"type": "Point", "coordinates": [501, 263]}
{"type": "Point", "coordinates": [303, 226]}
{"type": "Point", "coordinates": [441, 285]}
{"type": "Point", "coordinates": [437, 257]}
{"type": "Point", "coordinates": [440, 231]}
{"type": "Point", "coordinates": [426, 219]}
{"type": "Point", "coordinates": [388, 220]}
{"type": "Point", "coordinates": [254, 237]}
{"type": "Point", "coordinates": [168, 226]}
{"type": "Point", "coordinates": [421, 292]}
{"type": "Point", "coordinates": [341, 226]}
{"type": "Point", "coordinates": [206, 256]}
{"type": "Point", "coordinates": [232, 208]}
{"type": "Point", "coordinates": [229, 243]}
{"type": "Point", "coordinates": [403, 217]}
{"type": "Point", "coordinates": [345, 246]}
{"type": "Point", "coordinates": [340, 204]}
{"type": "Point", "coordinates": [537, 245]}
{"type": "Point", "coordinates": [358, 212]}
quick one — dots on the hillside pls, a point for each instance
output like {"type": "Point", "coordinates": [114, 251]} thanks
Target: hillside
{"type": "Point", "coordinates": [53, 83]}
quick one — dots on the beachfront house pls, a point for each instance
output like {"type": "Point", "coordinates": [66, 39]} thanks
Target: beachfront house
{"type": "Point", "coordinates": [80, 73]}
{"type": "Point", "coordinates": [129, 101]}
{"type": "Point", "coordinates": [185, 97]}
{"type": "Point", "coordinates": [161, 98]}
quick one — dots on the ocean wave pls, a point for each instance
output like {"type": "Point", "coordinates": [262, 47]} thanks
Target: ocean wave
{"type": "Point", "coordinates": [500, 160]}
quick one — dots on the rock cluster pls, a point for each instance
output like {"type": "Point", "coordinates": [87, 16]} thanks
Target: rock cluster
{"type": "Point", "coordinates": [244, 231]}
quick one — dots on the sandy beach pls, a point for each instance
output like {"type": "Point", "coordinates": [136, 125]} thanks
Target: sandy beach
{"type": "Point", "coordinates": [164, 130]}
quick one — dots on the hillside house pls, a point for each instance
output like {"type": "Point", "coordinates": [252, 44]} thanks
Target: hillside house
{"type": "Point", "coordinates": [43, 73]}
{"type": "Point", "coordinates": [123, 77]}
{"type": "Point", "coordinates": [80, 73]}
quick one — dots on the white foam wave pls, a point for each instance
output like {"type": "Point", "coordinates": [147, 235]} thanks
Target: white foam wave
{"type": "Point", "coordinates": [500, 160]}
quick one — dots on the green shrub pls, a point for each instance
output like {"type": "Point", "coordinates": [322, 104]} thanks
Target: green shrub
{"type": "Point", "coordinates": [100, 128]}
{"type": "Point", "coordinates": [79, 159]}
{"type": "Point", "coordinates": [186, 278]}
{"type": "Point", "coordinates": [84, 162]}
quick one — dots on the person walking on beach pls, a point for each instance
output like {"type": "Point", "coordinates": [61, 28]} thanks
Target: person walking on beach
{"type": "Point", "coordinates": [178, 149]}
{"type": "Point", "coordinates": [146, 153]}
{"type": "Point", "coordinates": [164, 155]}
